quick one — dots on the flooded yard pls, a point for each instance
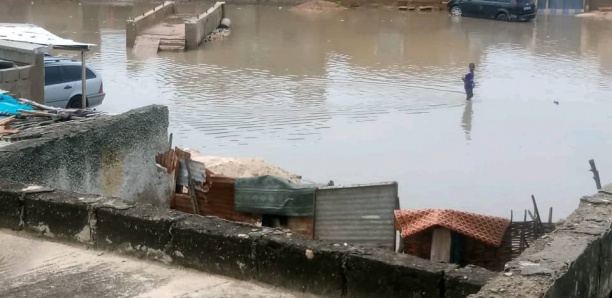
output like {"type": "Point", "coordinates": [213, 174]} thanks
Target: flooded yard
{"type": "Point", "coordinates": [370, 95]}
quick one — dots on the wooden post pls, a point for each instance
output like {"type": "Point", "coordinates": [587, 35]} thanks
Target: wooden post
{"type": "Point", "coordinates": [533, 218]}
{"type": "Point", "coordinates": [190, 186]}
{"type": "Point", "coordinates": [83, 82]}
{"type": "Point", "coordinates": [170, 142]}
{"type": "Point", "coordinates": [550, 215]}
{"type": "Point", "coordinates": [535, 209]}
{"type": "Point", "coordinates": [595, 174]}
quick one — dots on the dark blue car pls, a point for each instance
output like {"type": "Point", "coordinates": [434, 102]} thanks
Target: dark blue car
{"type": "Point", "coordinates": [501, 10]}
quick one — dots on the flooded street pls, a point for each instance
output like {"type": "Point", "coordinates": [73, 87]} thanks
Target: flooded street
{"type": "Point", "coordinates": [368, 95]}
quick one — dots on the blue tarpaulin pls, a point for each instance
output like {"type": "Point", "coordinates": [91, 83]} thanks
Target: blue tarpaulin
{"type": "Point", "coordinates": [10, 106]}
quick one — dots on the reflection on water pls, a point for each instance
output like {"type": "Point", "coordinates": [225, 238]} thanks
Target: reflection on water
{"type": "Point", "coordinates": [370, 95]}
{"type": "Point", "coordinates": [466, 120]}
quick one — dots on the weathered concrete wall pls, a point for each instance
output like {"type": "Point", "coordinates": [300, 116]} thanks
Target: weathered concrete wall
{"type": "Point", "coordinates": [27, 81]}
{"type": "Point", "coordinates": [201, 26]}
{"type": "Point", "coordinates": [238, 250]}
{"type": "Point", "coordinates": [573, 261]}
{"type": "Point", "coordinates": [108, 155]}
{"type": "Point", "coordinates": [16, 81]}
{"type": "Point", "coordinates": [152, 17]}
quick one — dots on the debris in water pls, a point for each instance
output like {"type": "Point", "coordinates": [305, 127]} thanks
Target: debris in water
{"type": "Point", "coordinates": [218, 33]}
{"type": "Point", "coordinates": [309, 254]}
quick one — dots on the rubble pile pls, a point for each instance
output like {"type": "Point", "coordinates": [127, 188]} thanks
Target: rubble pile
{"type": "Point", "coordinates": [18, 115]}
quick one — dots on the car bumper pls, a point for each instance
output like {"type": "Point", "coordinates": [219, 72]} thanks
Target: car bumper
{"type": "Point", "coordinates": [95, 99]}
{"type": "Point", "coordinates": [523, 17]}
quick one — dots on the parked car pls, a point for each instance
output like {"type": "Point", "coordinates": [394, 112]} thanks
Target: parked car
{"type": "Point", "coordinates": [63, 86]}
{"type": "Point", "coordinates": [4, 64]}
{"type": "Point", "coordinates": [501, 10]}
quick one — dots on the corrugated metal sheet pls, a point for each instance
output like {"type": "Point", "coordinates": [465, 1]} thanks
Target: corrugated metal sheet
{"type": "Point", "coordinates": [218, 201]}
{"type": "Point", "coordinates": [33, 34]}
{"type": "Point", "coordinates": [197, 173]}
{"type": "Point", "coordinates": [357, 214]}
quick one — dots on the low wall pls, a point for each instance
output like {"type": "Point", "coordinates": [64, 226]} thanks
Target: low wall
{"type": "Point", "coordinates": [16, 81]}
{"type": "Point", "coordinates": [201, 26]}
{"type": "Point", "coordinates": [107, 155]}
{"type": "Point", "coordinates": [26, 81]}
{"type": "Point", "coordinates": [221, 247]}
{"type": "Point", "coordinates": [135, 26]}
{"type": "Point", "coordinates": [573, 261]}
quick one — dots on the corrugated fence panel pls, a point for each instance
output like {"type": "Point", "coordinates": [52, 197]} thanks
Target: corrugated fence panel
{"type": "Point", "coordinates": [357, 214]}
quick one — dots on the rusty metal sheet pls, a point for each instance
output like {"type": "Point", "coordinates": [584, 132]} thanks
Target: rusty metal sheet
{"type": "Point", "coordinates": [357, 214]}
{"type": "Point", "coordinates": [217, 201]}
{"type": "Point", "coordinates": [198, 172]}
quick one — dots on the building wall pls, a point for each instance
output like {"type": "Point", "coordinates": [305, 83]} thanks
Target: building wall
{"type": "Point", "coordinates": [560, 7]}
{"type": "Point", "coordinates": [26, 81]}
{"type": "Point", "coordinates": [109, 155]}
{"type": "Point", "coordinates": [203, 25]}
{"type": "Point", "coordinates": [16, 81]}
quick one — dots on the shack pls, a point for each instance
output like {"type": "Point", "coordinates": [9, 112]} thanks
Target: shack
{"type": "Point", "coordinates": [269, 196]}
{"type": "Point", "coordinates": [465, 238]}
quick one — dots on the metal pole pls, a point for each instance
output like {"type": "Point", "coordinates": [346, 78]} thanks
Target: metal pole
{"type": "Point", "coordinates": [83, 81]}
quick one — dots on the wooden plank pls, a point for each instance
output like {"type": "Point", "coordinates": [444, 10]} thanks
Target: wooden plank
{"type": "Point", "coordinates": [6, 120]}
{"type": "Point", "coordinates": [194, 199]}
{"type": "Point", "coordinates": [595, 174]}
{"type": "Point", "coordinates": [440, 245]}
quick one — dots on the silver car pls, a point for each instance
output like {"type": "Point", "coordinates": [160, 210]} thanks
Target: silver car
{"type": "Point", "coordinates": [63, 84]}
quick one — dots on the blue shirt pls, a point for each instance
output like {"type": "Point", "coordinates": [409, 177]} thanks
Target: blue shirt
{"type": "Point", "coordinates": [469, 80]}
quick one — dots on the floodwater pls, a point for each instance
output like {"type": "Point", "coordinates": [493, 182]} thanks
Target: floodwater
{"type": "Point", "coordinates": [369, 95]}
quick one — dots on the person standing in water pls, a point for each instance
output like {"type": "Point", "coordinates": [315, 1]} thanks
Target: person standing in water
{"type": "Point", "coordinates": [468, 82]}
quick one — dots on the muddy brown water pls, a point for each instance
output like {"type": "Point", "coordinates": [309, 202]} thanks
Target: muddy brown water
{"type": "Point", "coordinates": [372, 95]}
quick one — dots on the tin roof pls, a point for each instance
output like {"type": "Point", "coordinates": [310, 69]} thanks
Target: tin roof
{"type": "Point", "coordinates": [30, 33]}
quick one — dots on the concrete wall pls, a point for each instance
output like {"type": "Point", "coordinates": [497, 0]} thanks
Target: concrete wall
{"type": "Point", "coordinates": [201, 26]}
{"type": "Point", "coordinates": [27, 81]}
{"type": "Point", "coordinates": [152, 17]}
{"type": "Point", "coordinates": [108, 155]}
{"type": "Point", "coordinates": [16, 80]}
{"type": "Point", "coordinates": [237, 250]}
{"type": "Point", "coordinates": [573, 261]}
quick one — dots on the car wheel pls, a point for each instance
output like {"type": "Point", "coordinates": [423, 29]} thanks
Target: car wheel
{"type": "Point", "coordinates": [456, 11]}
{"type": "Point", "coordinates": [502, 17]}
{"type": "Point", "coordinates": [75, 103]}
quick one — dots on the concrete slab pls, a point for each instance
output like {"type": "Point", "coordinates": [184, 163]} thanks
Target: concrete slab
{"type": "Point", "coordinates": [146, 46]}
{"type": "Point", "coordinates": [166, 30]}
{"type": "Point", "coordinates": [30, 267]}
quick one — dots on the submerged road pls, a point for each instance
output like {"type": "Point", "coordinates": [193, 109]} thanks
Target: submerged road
{"type": "Point", "coordinates": [32, 267]}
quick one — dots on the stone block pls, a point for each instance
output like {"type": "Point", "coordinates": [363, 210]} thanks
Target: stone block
{"type": "Point", "coordinates": [215, 246]}
{"type": "Point", "coordinates": [10, 204]}
{"type": "Point", "coordinates": [7, 86]}
{"type": "Point", "coordinates": [297, 263]}
{"type": "Point", "coordinates": [24, 72]}
{"type": "Point", "coordinates": [462, 282]}
{"type": "Point", "coordinates": [142, 230]}
{"type": "Point", "coordinates": [375, 273]}
{"type": "Point", "coordinates": [10, 75]}
{"type": "Point", "coordinates": [58, 214]}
